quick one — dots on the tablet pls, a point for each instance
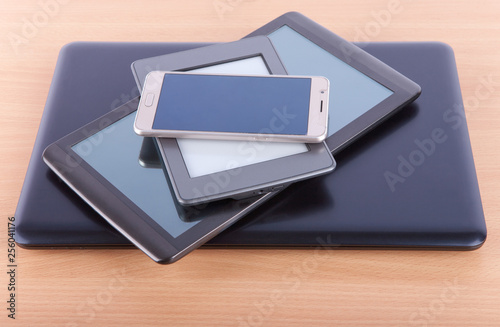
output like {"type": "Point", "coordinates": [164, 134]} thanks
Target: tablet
{"type": "Point", "coordinates": [101, 163]}
{"type": "Point", "coordinates": [364, 91]}
{"type": "Point", "coordinates": [207, 170]}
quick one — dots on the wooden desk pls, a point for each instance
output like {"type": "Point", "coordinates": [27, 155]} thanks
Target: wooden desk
{"type": "Point", "coordinates": [248, 287]}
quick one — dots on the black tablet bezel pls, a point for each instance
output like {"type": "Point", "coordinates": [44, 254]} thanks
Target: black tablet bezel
{"type": "Point", "coordinates": [250, 180]}
{"type": "Point", "coordinates": [405, 90]}
{"type": "Point", "coordinates": [215, 54]}
{"type": "Point", "coordinates": [122, 213]}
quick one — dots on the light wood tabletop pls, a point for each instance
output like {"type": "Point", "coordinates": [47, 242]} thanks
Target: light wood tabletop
{"type": "Point", "coordinates": [230, 287]}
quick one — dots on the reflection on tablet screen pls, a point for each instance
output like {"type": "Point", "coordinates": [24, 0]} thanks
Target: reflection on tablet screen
{"type": "Point", "coordinates": [352, 93]}
{"type": "Point", "coordinates": [113, 152]}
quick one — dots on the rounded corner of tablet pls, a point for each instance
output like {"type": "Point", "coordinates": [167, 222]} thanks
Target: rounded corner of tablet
{"type": "Point", "coordinates": [132, 67]}
{"type": "Point", "coordinates": [334, 164]}
{"type": "Point", "coordinates": [185, 201]}
{"type": "Point", "coordinates": [292, 13]}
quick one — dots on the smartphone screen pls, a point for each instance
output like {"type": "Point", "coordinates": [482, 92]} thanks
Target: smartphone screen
{"type": "Point", "coordinates": [238, 104]}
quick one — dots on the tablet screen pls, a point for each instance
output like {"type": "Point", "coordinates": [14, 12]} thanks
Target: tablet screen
{"type": "Point", "coordinates": [113, 152]}
{"type": "Point", "coordinates": [203, 157]}
{"type": "Point", "coordinates": [352, 93]}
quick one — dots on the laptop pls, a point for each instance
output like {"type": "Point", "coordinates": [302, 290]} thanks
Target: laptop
{"type": "Point", "coordinates": [410, 183]}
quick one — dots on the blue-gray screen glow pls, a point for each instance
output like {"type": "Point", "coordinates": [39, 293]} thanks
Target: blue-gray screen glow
{"type": "Point", "coordinates": [352, 93]}
{"type": "Point", "coordinates": [238, 104]}
{"type": "Point", "coordinates": [113, 152]}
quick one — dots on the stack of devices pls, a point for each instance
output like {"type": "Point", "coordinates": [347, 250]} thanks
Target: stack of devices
{"type": "Point", "coordinates": [214, 135]}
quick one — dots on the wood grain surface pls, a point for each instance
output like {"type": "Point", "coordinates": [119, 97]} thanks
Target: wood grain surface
{"type": "Point", "coordinates": [247, 287]}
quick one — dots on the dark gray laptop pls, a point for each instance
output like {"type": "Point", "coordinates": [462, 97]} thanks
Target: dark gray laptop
{"type": "Point", "coordinates": [411, 182]}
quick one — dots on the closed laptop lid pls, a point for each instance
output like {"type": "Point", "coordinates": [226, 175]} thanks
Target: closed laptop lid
{"type": "Point", "coordinates": [410, 182]}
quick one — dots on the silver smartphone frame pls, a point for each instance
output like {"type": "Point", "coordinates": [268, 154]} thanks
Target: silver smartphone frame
{"type": "Point", "coordinates": [317, 120]}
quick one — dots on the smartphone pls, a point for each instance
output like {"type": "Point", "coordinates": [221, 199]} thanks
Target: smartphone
{"type": "Point", "coordinates": [277, 108]}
